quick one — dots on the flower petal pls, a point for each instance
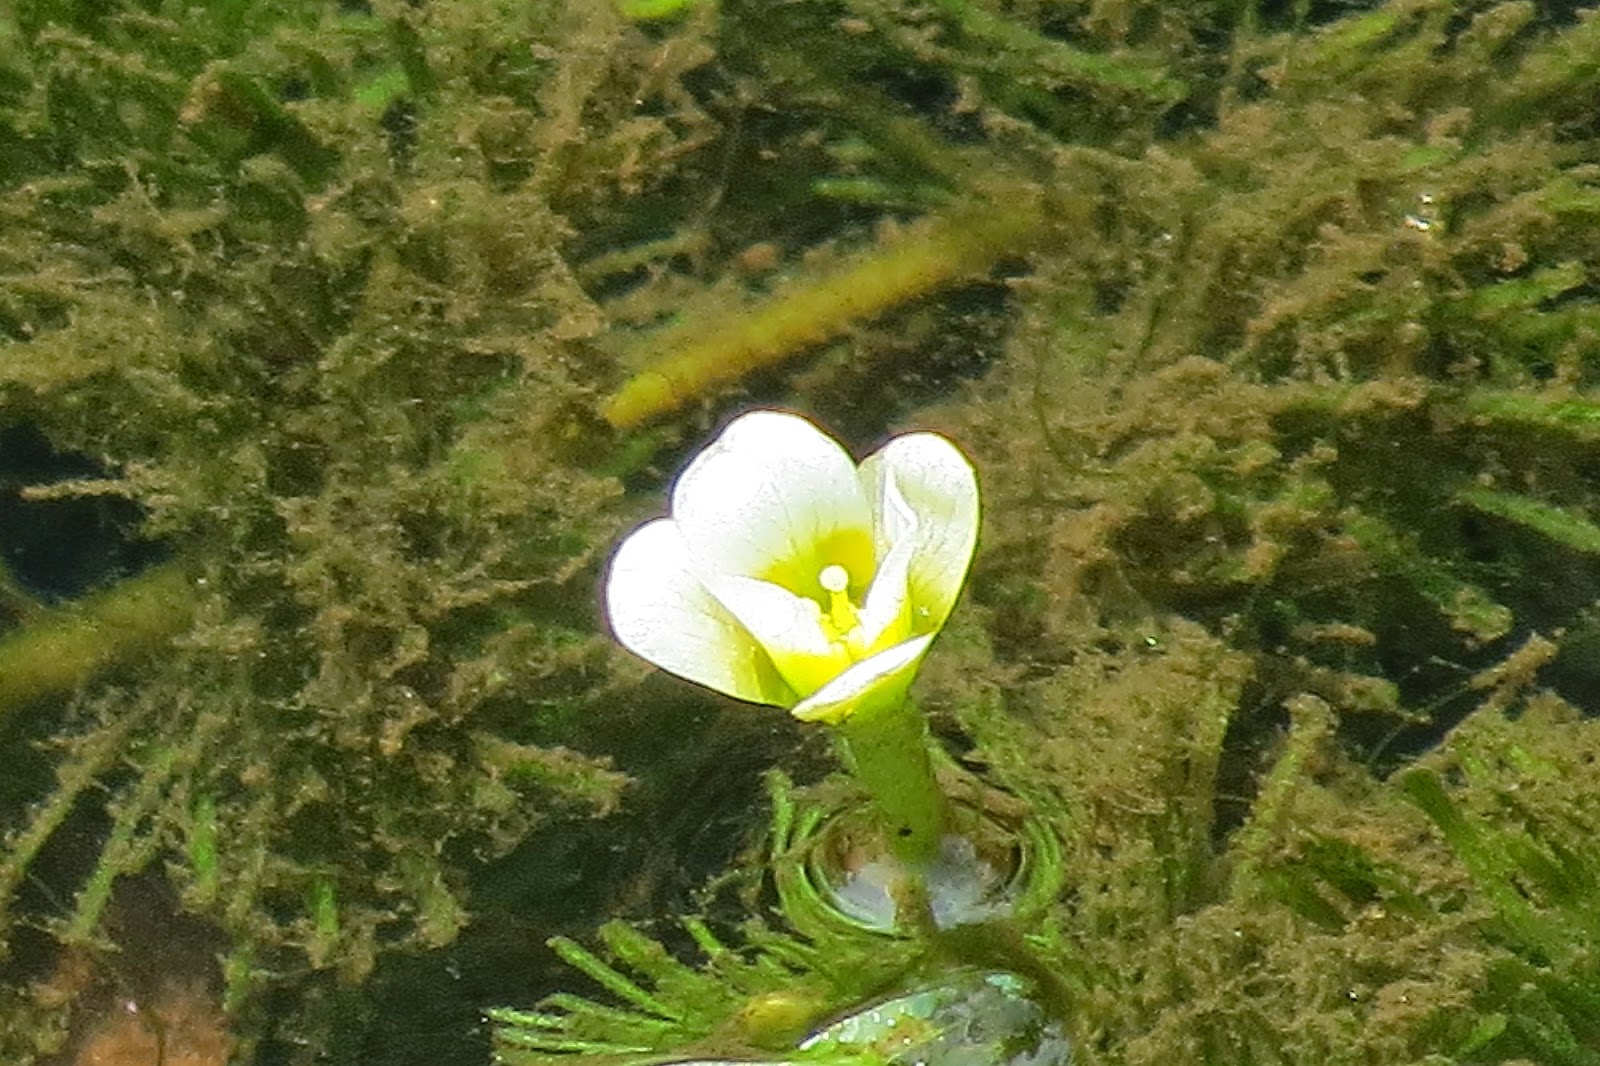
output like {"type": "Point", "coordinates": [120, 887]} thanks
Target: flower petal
{"type": "Point", "coordinates": [932, 479]}
{"type": "Point", "coordinates": [662, 613]}
{"type": "Point", "coordinates": [775, 498]}
{"type": "Point", "coordinates": [886, 616]}
{"type": "Point", "coordinates": [880, 680]}
{"type": "Point", "coordinates": [789, 628]}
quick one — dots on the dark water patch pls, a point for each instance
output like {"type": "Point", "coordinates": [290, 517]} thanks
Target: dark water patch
{"type": "Point", "coordinates": [61, 547]}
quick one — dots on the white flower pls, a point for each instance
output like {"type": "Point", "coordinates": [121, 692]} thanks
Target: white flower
{"type": "Point", "coordinates": [787, 575]}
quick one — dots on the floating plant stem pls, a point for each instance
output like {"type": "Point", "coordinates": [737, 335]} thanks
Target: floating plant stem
{"type": "Point", "coordinates": [1560, 415]}
{"type": "Point", "coordinates": [125, 849]}
{"type": "Point", "coordinates": [63, 647]}
{"type": "Point", "coordinates": [1562, 525]}
{"type": "Point", "coordinates": [75, 778]}
{"type": "Point", "coordinates": [1022, 45]}
{"type": "Point", "coordinates": [708, 354]}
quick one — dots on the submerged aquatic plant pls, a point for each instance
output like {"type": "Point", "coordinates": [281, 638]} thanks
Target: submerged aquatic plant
{"type": "Point", "coordinates": [1313, 373]}
{"type": "Point", "coordinates": [781, 1000]}
{"type": "Point", "coordinates": [802, 984]}
{"type": "Point", "coordinates": [1512, 793]}
{"type": "Point", "coordinates": [1305, 358]}
{"type": "Point", "coordinates": [313, 339]}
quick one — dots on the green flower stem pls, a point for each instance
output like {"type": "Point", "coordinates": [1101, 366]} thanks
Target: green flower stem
{"type": "Point", "coordinates": [886, 747]}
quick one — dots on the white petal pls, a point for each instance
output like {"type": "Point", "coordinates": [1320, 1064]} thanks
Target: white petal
{"type": "Point", "coordinates": [661, 612]}
{"type": "Point", "coordinates": [775, 498]}
{"type": "Point", "coordinates": [893, 520]}
{"type": "Point", "coordinates": [886, 616]}
{"type": "Point", "coordinates": [877, 681]}
{"type": "Point", "coordinates": [789, 628]}
{"type": "Point", "coordinates": [937, 483]}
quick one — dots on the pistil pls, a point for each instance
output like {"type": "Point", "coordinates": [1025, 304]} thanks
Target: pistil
{"type": "Point", "coordinates": [841, 616]}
